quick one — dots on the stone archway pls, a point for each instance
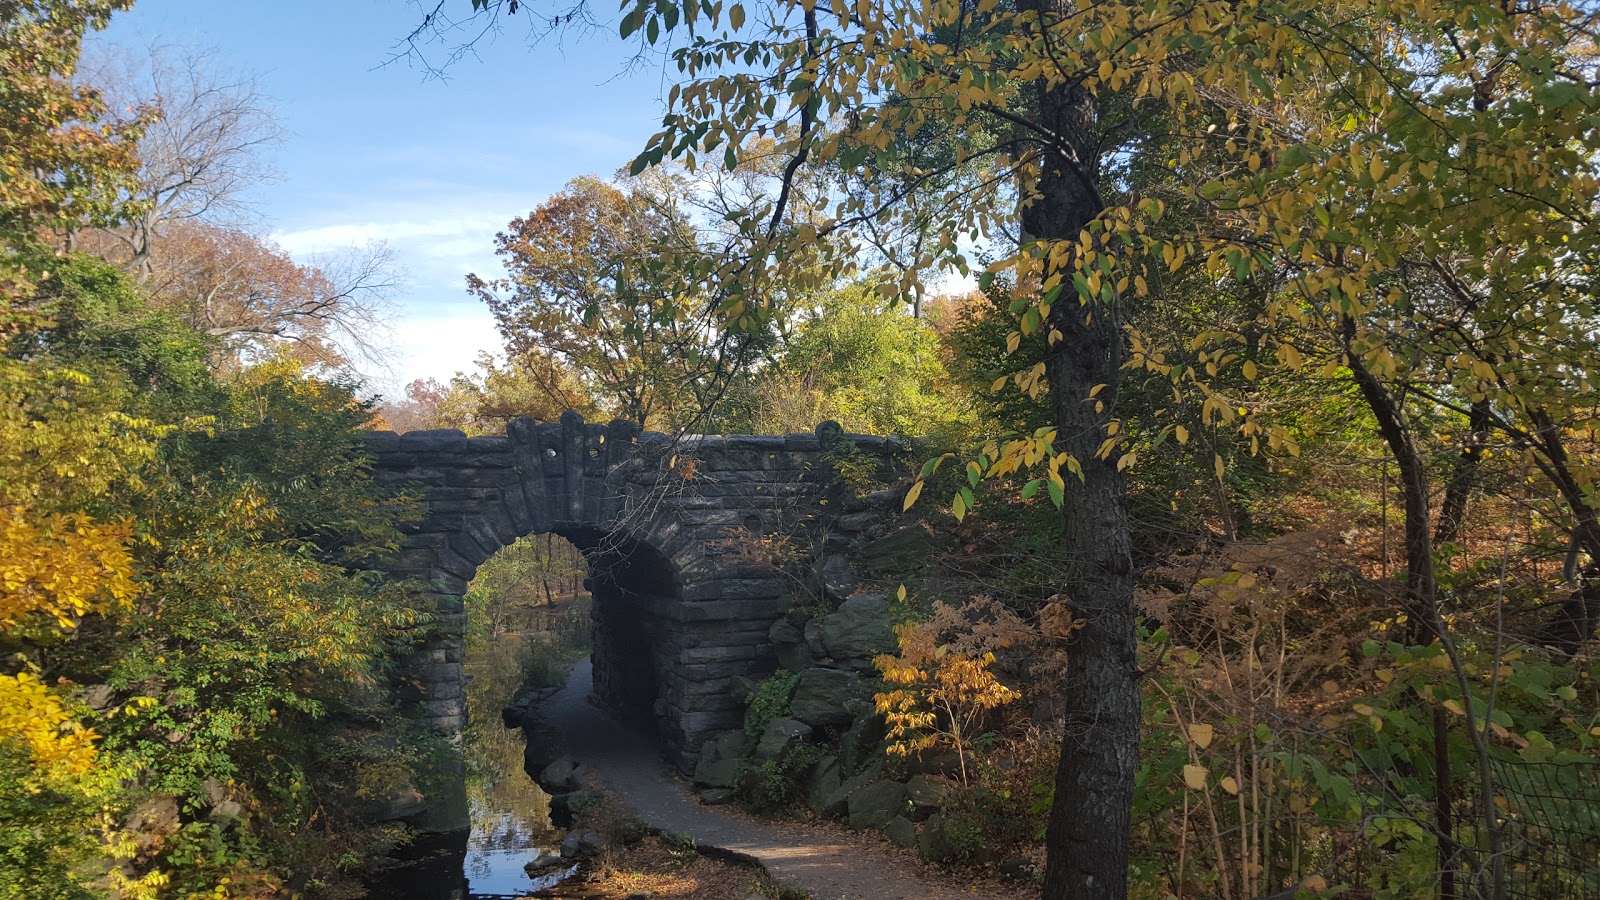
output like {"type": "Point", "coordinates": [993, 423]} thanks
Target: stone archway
{"type": "Point", "coordinates": [674, 532]}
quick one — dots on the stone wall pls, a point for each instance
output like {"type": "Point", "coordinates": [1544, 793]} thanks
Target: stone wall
{"type": "Point", "coordinates": [675, 531]}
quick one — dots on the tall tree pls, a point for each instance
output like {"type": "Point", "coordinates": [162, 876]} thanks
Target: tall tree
{"type": "Point", "coordinates": [68, 162]}
{"type": "Point", "coordinates": [254, 298]}
{"type": "Point", "coordinates": [200, 157]}
{"type": "Point", "coordinates": [589, 278]}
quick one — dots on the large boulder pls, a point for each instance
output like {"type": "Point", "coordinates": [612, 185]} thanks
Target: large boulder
{"type": "Point", "coordinates": [876, 804]}
{"type": "Point", "coordinates": [822, 787]}
{"type": "Point", "coordinates": [834, 577]}
{"type": "Point", "coordinates": [906, 549]}
{"type": "Point", "coordinates": [933, 842]}
{"type": "Point", "coordinates": [717, 773]}
{"type": "Point", "coordinates": [940, 760]}
{"type": "Point", "coordinates": [828, 697]}
{"type": "Point", "coordinates": [837, 802]}
{"type": "Point", "coordinates": [779, 737]}
{"type": "Point", "coordinates": [813, 636]}
{"type": "Point", "coordinates": [861, 742]}
{"type": "Point", "coordinates": [727, 745]}
{"type": "Point", "coordinates": [901, 831]}
{"type": "Point", "coordinates": [789, 645]}
{"type": "Point", "coordinates": [859, 629]}
{"type": "Point", "coordinates": [927, 795]}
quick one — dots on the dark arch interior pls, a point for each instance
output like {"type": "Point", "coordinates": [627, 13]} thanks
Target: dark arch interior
{"type": "Point", "coordinates": [631, 582]}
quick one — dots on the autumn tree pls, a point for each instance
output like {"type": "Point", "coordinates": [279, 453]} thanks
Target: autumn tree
{"type": "Point", "coordinates": [866, 363]}
{"type": "Point", "coordinates": [253, 297]}
{"type": "Point", "coordinates": [200, 157]}
{"type": "Point", "coordinates": [482, 401]}
{"type": "Point", "coordinates": [590, 279]}
{"type": "Point", "coordinates": [69, 160]}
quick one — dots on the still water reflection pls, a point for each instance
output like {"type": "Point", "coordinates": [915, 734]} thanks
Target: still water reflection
{"type": "Point", "coordinates": [510, 815]}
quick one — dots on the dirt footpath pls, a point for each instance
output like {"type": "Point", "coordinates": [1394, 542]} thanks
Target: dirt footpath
{"type": "Point", "coordinates": [827, 861]}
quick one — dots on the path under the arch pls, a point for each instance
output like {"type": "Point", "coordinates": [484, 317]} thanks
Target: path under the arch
{"type": "Point", "coordinates": [823, 859]}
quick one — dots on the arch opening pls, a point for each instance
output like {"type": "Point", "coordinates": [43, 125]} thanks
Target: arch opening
{"type": "Point", "coordinates": [632, 584]}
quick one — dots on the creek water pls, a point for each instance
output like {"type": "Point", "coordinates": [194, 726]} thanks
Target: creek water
{"type": "Point", "coordinates": [510, 815]}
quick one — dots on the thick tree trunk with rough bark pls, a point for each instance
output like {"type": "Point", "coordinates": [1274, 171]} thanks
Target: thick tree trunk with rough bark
{"type": "Point", "coordinates": [1090, 821]}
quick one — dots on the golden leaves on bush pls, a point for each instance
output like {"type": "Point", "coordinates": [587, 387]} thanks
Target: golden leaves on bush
{"type": "Point", "coordinates": [61, 566]}
{"type": "Point", "coordinates": [939, 691]}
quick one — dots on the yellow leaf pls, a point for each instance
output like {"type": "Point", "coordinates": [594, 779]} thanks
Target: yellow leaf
{"type": "Point", "coordinates": [1229, 785]}
{"type": "Point", "coordinates": [1182, 433]}
{"type": "Point", "coordinates": [1316, 884]}
{"type": "Point", "coordinates": [1249, 370]}
{"type": "Point", "coordinates": [1220, 468]}
{"type": "Point", "coordinates": [1455, 707]}
{"type": "Point", "coordinates": [912, 495]}
{"type": "Point", "coordinates": [1202, 734]}
{"type": "Point", "coordinates": [1195, 777]}
{"type": "Point", "coordinates": [998, 384]}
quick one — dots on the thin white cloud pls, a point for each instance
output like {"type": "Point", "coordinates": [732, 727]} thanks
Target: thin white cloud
{"type": "Point", "coordinates": [437, 329]}
{"type": "Point", "coordinates": [434, 346]}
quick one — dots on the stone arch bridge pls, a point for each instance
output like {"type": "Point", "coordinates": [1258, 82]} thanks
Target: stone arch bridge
{"type": "Point", "coordinates": [679, 534]}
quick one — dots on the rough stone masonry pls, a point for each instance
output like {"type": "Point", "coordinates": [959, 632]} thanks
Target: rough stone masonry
{"type": "Point", "coordinates": [684, 536]}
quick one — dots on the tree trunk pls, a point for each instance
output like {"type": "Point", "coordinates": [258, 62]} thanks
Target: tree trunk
{"type": "Point", "coordinates": [1463, 476]}
{"type": "Point", "coordinates": [1087, 842]}
{"type": "Point", "coordinates": [1578, 617]}
{"type": "Point", "coordinates": [1422, 586]}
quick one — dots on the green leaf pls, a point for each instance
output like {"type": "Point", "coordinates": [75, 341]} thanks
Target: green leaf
{"type": "Point", "coordinates": [1031, 489]}
{"type": "Point", "coordinates": [630, 24]}
{"type": "Point", "coordinates": [1058, 495]}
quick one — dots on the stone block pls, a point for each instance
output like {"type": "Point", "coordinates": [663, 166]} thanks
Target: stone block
{"type": "Point", "coordinates": [859, 629]}
{"type": "Point", "coordinates": [779, 737]}
{"type": "Point", "coordinates": [828, 697]}
{"type": "Point", "coordinates": [835, 578]}
{"type": "Point", "coordinates": [380, 442]}
{"type": "Point", "coordinates": [720, 773]}
{"type": "Point", "coordinates": [452, 707]}
{"type": "Point", "coordinates": [901, 832]}
{"type": "Point", "coordinates": [442, 440]}
{"type": "Point", "coordinates": [489, 444]}
{"type": "Point", "coordinates": [749, 588]}
{"type": "Point", "coordinates": [822, 788]}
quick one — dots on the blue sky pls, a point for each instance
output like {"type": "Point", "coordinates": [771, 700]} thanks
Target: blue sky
{"type": "Point", "coordinates": [434, 168]}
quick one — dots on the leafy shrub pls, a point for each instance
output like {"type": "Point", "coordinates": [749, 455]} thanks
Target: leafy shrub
{"type": "Point", "coordinates": [769, 701]}
{"type": "Point", "coordinates": [779, 784]}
